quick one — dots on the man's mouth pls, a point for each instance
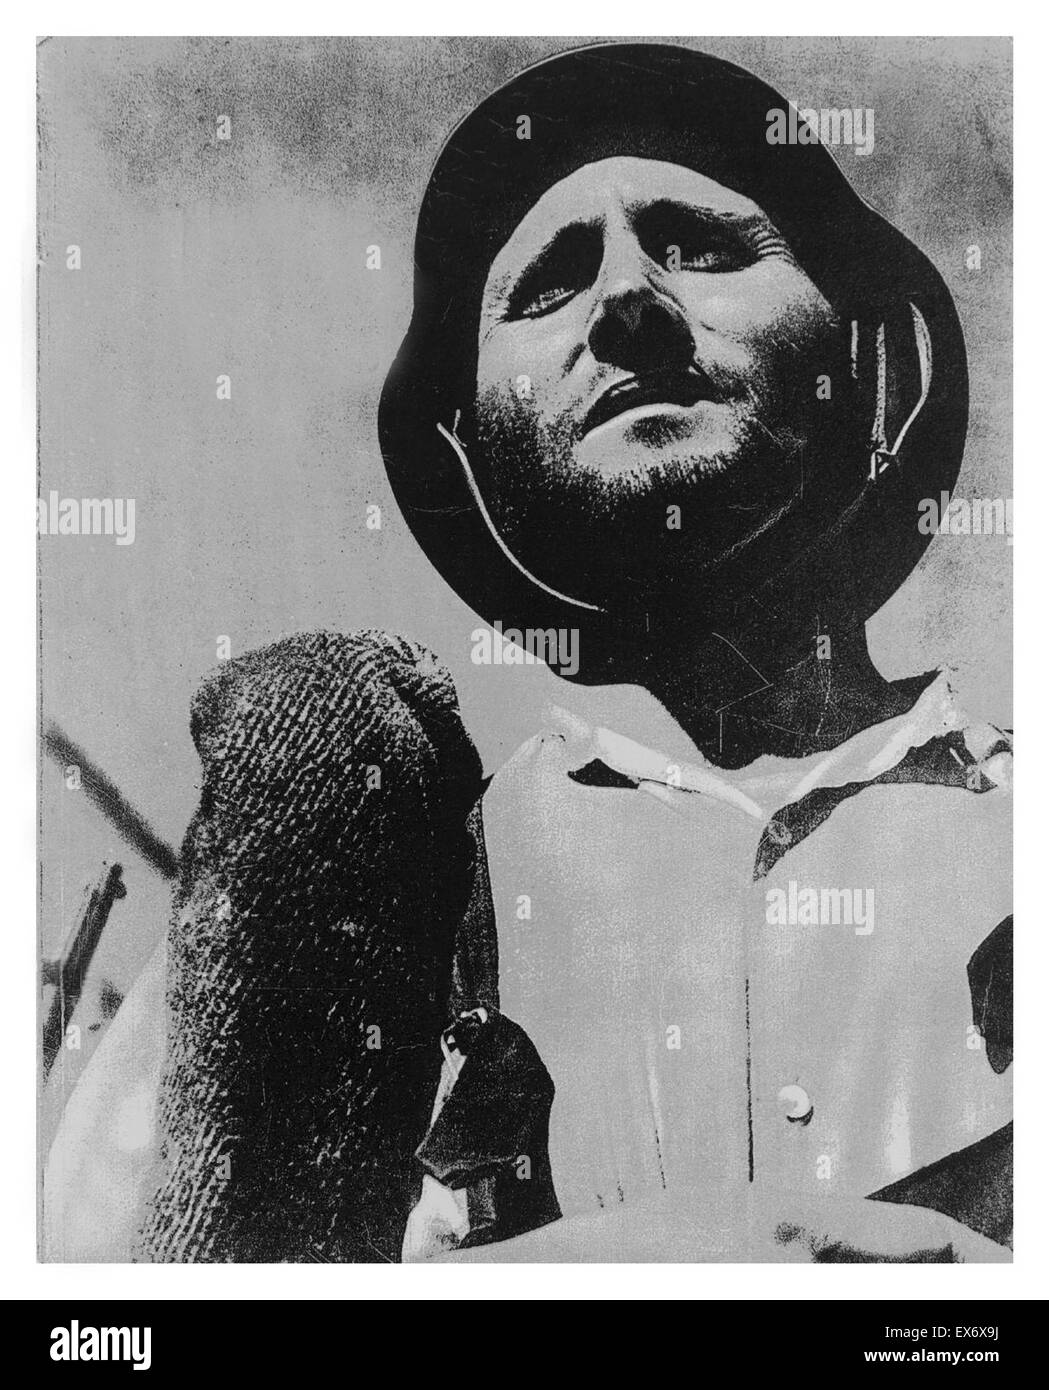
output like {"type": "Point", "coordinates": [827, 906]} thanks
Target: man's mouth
{"type": "Point", "coordinates": [683, 388]}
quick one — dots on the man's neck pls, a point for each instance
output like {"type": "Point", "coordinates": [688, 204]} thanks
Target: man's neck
{"type": "Point", "coordinates": [739, 696]}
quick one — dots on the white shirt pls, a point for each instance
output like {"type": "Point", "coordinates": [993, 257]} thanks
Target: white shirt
{"type": "Point", "coordinates": [699, 1025]}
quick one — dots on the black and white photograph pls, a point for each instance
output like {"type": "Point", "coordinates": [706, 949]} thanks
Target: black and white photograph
{"type": "Point", "coordinates": [524, 661]}
{"type": "Point", "coordinates": [496, 836]}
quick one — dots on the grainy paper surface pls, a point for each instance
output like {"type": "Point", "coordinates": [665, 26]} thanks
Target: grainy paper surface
{"type": "Point", "coordinates": [668, 397]}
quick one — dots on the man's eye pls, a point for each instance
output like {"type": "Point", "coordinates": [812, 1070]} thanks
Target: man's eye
{"type": "Point", "coordinates": [533, 304]}
{"type": "Point", "coordinates": [683, 239]}
{"type": "Point", "coordinates": [561, 271]}
{"type": "Point", "coordinates": [711, 258]}
{"type": "Point", "coordinates": [712, 251]}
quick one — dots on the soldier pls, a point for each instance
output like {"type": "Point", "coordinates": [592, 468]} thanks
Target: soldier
{"type": "Point", "coordinates": [678, 393]}
{"type": "Point", "coordinates": [682, 391]}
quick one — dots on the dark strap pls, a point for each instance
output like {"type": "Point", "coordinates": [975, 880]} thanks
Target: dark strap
{"type": "Point", "coordinates": [492, 1134]}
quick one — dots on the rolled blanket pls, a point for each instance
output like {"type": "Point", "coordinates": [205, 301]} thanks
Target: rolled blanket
{"type": "Point", "coordinates": [310, 951]}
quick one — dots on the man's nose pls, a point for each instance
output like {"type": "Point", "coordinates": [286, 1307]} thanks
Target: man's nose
{"type": "Point", "coordinates": [638, 329]}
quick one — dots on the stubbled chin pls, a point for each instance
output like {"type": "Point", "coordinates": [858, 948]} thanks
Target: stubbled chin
{"type": "Point", "coordinates": [657, 447]}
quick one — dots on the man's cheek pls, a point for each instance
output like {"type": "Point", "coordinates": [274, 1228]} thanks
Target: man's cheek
{"type": "Point", "coordinates": [516, 366]}
{"type": "Point", "coordinates": [504, 438]}
{"type": "Point", "coordinates": [793, 315]}
{"type": "Point", "coordinates": [786, 363]}
{"type": "Point", "coordinates": [520, 409]}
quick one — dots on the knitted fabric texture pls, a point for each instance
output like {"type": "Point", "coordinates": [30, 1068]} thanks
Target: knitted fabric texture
{"type": "Point", "coordinates": [309, 954]}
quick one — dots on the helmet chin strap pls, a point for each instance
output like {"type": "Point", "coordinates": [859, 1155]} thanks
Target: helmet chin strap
{"type": "Point", "coordinates": [457, 445]}
{"type": "Point", "coordinates": [882, 455]}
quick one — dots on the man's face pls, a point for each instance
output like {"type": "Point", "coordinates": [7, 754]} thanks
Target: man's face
{"type": "Point", "coordinates": [646, 341]}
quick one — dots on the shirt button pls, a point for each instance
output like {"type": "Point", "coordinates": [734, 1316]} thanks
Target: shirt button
{"type": "Point", "coordinates": [795, 1104]}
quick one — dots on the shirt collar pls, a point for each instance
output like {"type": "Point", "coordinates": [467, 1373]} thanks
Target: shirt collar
{"type": "Point", "coordinates": [772, 782]}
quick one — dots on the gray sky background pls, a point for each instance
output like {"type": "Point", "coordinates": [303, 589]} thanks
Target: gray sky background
{"type": "Point", "coordinates": [248, 258]}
